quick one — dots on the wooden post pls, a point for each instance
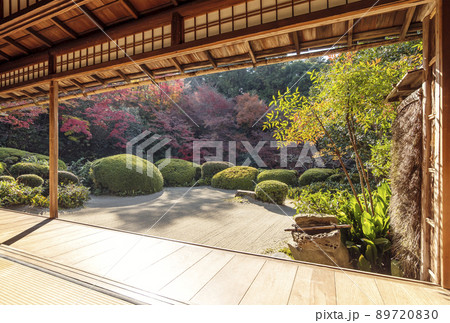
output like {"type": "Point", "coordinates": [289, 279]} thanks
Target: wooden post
{"type": "Point", "coordinates": [443, 75]}
{"type": "Point", "coordinates": [53, 148]}
{"type": "Point", "coordinates": [177, 29]}
{"type": "Point", "coordinates": [426, 139]}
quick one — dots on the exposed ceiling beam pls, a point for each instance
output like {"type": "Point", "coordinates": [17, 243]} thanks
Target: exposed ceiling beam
{"type": "Point", "coordinates": [350, 32]}
{"type": "Point", "coordinates": [5, 56]}
{"type": "Point", "coordinates": [130, 8]}
{"type": "Point", "coordinates": [409, 16]}
{"type": "Point", "coordinates": [123, 75]}
{"type": "Point", "coordinates": [17, 45]}
{"type": "Point", "coordinates": [147, 71]}
{"type": "Point", "coordinates": [39, 37]}
{"type": "Point", "coordinates": [177, 65]}
{"type": "Point", "coordinates": [175, 2]}
{"type": "Point", "coordinates": [96, 20]}
{"type": "Point", "coordinates": [211, 58]}
{"type": "Point", "coordinates": [296, 42]}
{"type": "Point", "coordinates": [250, 51]}
{"type": "Point", "coordinates": [78, 84]}
{"type": "Point", "coordinates": [39, 89]}
{"type": "Point", "coordinates": [98, 79]}
{"type": "Point", "coordinates": [64, 27]}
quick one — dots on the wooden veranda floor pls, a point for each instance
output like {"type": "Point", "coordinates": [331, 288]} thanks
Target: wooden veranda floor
{"type": "Point", "coordinates": [96, 265]}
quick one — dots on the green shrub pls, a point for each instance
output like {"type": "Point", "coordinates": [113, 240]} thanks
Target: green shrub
{"type": "Point", "coordinates": [289, 177]}
{"type": "Point", "coordinates": [72, 196]}
{"type": "Point", "coordinates": [235, 178]}
{"type": "Point", "coordinates": [12, 156]}
{"type": "Point", "coordinates": [23, 168]}
{"type": "Point", "coordinates": [81, 169]}
{"type": "Point", "coordinates": [2, 168]}
{"type": "Point", "coordinates": [6, 178]}
{"type": "Point", "coordinates": [111, 175]}
{"type": "Point", "coordinates": [30, 180]}
{"type": "Point", "coordinates": [271, 191]}
{"type": "Point", "coordinates": [65, 178]}
{"type": "Point", "coordinates": [177, 172]}
{"type": "Point", "coordinates": [337, 178]}
{"type": "Point", "coordinates": [315, 175]}
{"type": "Point", "coordinates": [198, 171]}
{"type": "Point", "coordinates": [211, 168]}
{"type": "Point", "coordinates": [12, 193]}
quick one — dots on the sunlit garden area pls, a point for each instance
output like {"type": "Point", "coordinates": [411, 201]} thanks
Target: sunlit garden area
{"type": "Point", "coordinates": [246, 155]}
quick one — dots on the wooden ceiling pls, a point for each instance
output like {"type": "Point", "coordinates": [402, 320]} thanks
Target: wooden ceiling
{"type": "Point", "coordinates": [93, 46]}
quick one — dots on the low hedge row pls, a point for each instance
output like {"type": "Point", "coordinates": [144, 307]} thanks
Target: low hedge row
{"type": "Point", "coordinates": [235, 178]}
{"type": "Point", "coordinates": [11, 156]}
{"type": "Point", "coordinates": [289, 177]}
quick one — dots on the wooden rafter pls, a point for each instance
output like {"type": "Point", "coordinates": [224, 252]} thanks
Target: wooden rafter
{"type": "Point", "coordinates": [123, 75]}
{"type": "Point", "coordinates": [17, 45]}
{"type": "Point", "coordinates": [129, 8]}
{"type": "Point", "coordinates": [211, 58]}
{"type": "Point", "coordinates": [250, 51]}
{"type": "Point", "coordinates": [39, 37]}
{"type": "Point", "coordinates": [175, 2]}
{"type": "Point", "coordinates": [5, 56]}
{"type": "Point", "coordinates": [98, 79]}
{"type": "Point", "coordinates": [64, 27]}
{"type": "Point", "coordinates": [350, 32]}
{"type": "Point", "coordinates": [409, 16]}
{"type": "Point", "coordinates": [96, 20]}
{"type": "Point", "coordinates": [78, 84]}
{"type": "Point", "coordinates": [147, 71]}
{"type": "Point", "coordinates": [296, 42]}
{"type": "Point", "coordinates": [177, 64]}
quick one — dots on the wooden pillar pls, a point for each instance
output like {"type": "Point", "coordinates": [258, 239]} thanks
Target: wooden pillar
{"type": "Point", "coordinates": [443, 81]}
{"type": "Point", "coordinates": [53, 149]}
{"type": "Point", "coordinates": [177, 29]}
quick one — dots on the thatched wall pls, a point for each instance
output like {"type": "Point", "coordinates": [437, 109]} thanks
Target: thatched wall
{"type": "Point", "coordinates": [406, 177]}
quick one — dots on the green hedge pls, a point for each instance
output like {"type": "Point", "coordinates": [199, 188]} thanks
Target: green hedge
{"type": "Point", "coordinates": [65, 178]}
{"type": "Point", "coordinates": [177, 172]}
{"type": "Point", "coordinates": [235, 178]}
{"type": "Point", "coordinates": [72, 196]}
{"type": "Point", "coordinates": [314, 175]}
{"type": "Point", "coordinates": [211, 168]}
{"type": "Point", "coordinates": [30, 180]}
{"type": "Point", "coordinates": [2, 168]}
{"type": "Point", "coordinates": [289, 177]}
{"type": "Point", "coordinates": [271, 191]}
{"type": "Point", "coordinates": [12, 193]}
{"type": "Point", "coordinates": [337, 178]}
{"type": "Point", "coordinates": [6, 178]}
{"type": "Point", "coordinates": [29, 168]}
{"type": "Point", "coordinates": [111, 175]}
{"type": "Point", "coordinates": [11, 156]}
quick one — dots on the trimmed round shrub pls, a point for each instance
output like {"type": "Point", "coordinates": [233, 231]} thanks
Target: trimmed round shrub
{"type": "Point", "coordinates": [314, 175]}
{"type": "Point", "coordinates": [111, 174]}
{"type": "Point", "coordinates": [289, 177]}
{"type": "Point", "coordinates": [65, 178]}
{"type": "Point", "coordinates": [177, 172]}
{"type": "Point", "coordinates": [11, 156]}
{"type": "Point", "coordinates": [198, 171]}
{"type": "Point", "coordinates": [235, 178]}
{"type": "Point", "coordinates": [337, 178]}
{"type": "Point", "coordinates": [2, 168]}
{"type": "Point", "coordinates": [6, 178]}
{"type": "Point", "coordinates": [271, 191]}
{"type": "Point", "coordinates": [29, 168]}
{"type": "Point", "coordinates": [211, 168]}
{"type": "Point", "coordinates": [30, 180]}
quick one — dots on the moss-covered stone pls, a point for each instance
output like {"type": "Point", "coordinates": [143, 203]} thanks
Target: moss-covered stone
{"type": "Point", "coordinates": [235, 178]}
{"type": "Point", "coordinates": [314, 175]}
{"type": "Point", "coordinates": [289, 177]}
{"type": "Point", "coordinates": [177, 172]}
{"type": "Point", "coordinates": [271, 191]}
{"type": "Point", "coordinates": [111, 174]}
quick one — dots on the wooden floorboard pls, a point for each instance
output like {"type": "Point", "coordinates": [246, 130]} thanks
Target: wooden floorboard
{"type": "Point", "coordinates": [180, 272]}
